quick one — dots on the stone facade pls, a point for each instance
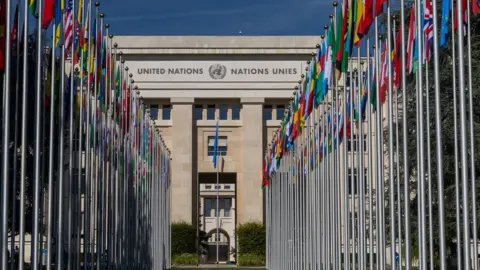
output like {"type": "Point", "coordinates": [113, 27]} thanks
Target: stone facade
{"type": "Point", "coordinates": [189, 82]}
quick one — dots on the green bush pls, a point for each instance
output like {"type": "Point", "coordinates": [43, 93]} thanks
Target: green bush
{"type": "Point", "coordinates": [251, 239]}
{"type": "Point", "coordinates": [183, 238]}
{"type": "Point", "coordinates": [185, 259]}
{"type": "Point", "coordinates": [249, 259]}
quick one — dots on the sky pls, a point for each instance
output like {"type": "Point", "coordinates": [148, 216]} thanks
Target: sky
{"type": "Point", "coordinates": [216, 17]}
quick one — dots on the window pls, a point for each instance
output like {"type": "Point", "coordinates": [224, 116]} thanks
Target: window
{"type": "Point", "coordinates": [208, 207]}
{"type": "Point", "coordinates": [154, 111]}
{"type": "Point", "coordinates": [236, 112]}
{"type": "Point", "coordinates": [223, 108]}
{"type": "Point", "coordinates": [280, 111]}
{"type": "Point", "coordinates": [211, 112]}
{"type": "Point", "coordinates": [222, 145]}
{"type": "Point", "coordinates": [267, 112]}
{"type": "Point", "coordinates": [355, 181]}
{"type": "Point", "coordinates": [226, 207]}
{"type": "Point", "coordinates": [198, 112]}
{"type": "Point", "coordinates": [166, 112]}
{"type": "Point", "coordinates": [356, 142]}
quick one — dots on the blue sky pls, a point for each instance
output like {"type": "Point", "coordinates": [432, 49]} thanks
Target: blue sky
{"type": "Point", "coordinates": [217, 17]}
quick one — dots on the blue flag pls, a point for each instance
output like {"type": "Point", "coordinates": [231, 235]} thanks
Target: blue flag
{"type": "Point", "coordinates": [215, 148]}
{"type": "Point", "coordinates": [445, 24]}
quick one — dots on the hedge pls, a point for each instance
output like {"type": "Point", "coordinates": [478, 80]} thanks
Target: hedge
{"type": "Point", "coordinates": [251, 238]}
{"type": "Point", "coordinates": [185, 259]}
{"type": "Point", "coordinates": [183, 238]}
{"type": "Point", "coordinates": [249, 259]}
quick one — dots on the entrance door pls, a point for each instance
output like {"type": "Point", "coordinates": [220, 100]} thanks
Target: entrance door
{"type": "Point", "coordinates": [223, 247]}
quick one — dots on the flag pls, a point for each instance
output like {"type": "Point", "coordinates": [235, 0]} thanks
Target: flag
{"type": "Point", "coordinates": [215, 147]}
{"type": "Point", "coordinates": [360, 10]}
{"type": "Point", "coordinates": [2, 33]}
{"type": "Point", "coordinates": [340, 52]}
{"type": "Point", "coordinates": [445, 23]}
{"type": "Point", "coordinates": [397, 61]}
{"type": "Point", "coordinates": [68, 35]}
{"type": "Point", "coordinates": [410, 41]}
{"type": "Point", "coordinates": [32, 6]}
{"type": "Point", "coordinates": [58, 22]}
{"type": "Point", "coordinates": [367, 19]}
{"type": "Point", "coordinates": [48, 13]}
{"type": "Point", "coordinates": [428, 29]}
{"type": "Point", "coordinates": [476, 6]}
{"type": "Point", "coordinates": [14, 33]}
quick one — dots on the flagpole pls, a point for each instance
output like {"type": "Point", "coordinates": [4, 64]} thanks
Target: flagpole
{"type": "Point", "coordinates": [456, 155]}
{"type": "Point", "coordinates": [397, 142]}
{"type": "Point", "coordinates": [15, 136]}
{"type": "Point", "coordinates": [70, 144]}
{"type": "Point", "coordinates": [51, 146]}
{"type": "Point", "coordinates": [23, 144]}
{"type": "Point", "coordinates": [406, 176]}
{"type": "Point", "coordinates": [370, 159]}
{"type": "Point", "coordinates": [472, 140]}
{"type": "Point", "coordinates": [463, 137]}
{"type": "Point", "coordinates": [390, 138]}
{"type": "Point", "coordinates": [81, 95]}
{"type": "Point", "coordinates": [38, 142]}
{"type": "Point", "coordinates": [217, 237]}
{"type": "Point", "coordinates": [6, 138]}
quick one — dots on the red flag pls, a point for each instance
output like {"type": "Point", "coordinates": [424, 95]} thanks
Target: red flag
{"type": "Point", "coordinates": [397, 62]}
{"type": "Point", "coordinates": [3, 16]}
{"type": "Point", "coordinates": [264, 178]}
{"type": "Point", "coordinates": [379, 7]}
{"type": "Point", "coordinates": [367, 19]}
{"type": "Point", "coordinates": [14, 35]}
{"type": "Point", "coordinates": [48, 13]}
{"type": "Point", "coordinates": [344, 33]}
{"type": "Point", "coordinates": [476, 6]}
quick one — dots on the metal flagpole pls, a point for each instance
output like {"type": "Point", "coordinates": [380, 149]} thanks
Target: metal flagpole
{"type": "Point", "coordinates": [23, 143]}
{"type": "Point", "coordinates": [59, 241]}
{"type": "Point", "coordinates": [463, 137]}
{"type": "Point", "coordinates": [390, 138]}
{"type": "Point", "coordinates": [15, 136]}
{"type": "Point", "coordinates": [429, 165]}
{"type": "Point", "coordinates": [71, 131]}
{"type": "Point", "coordinates": [421, 166]}
{"type": "Point", "coordinates": [456, 155]}
{"type": "Point", "coordinates": [6, 137]}
{"type": "Point", "coordinates": [370, 159]}
{"type": "Point", "coordinates": [406, 176]}
{"type": "Point", "coordinates": [361, 157]}
{"type": "Point", "coordinates": [217, 213]}
{"type": "Point", "coordinates": [38, 141]}
{"type": "Point", "coordinates": [472, 142]}
{"type": "Point", "coordinates": [51, 147]}
{"type": "Point", "coordinates": [397, 153]}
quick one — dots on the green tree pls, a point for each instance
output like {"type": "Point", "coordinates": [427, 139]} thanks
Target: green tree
{"type": "Point", "coordinates": [447, 127]}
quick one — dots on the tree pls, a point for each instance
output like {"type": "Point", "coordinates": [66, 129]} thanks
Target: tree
{"type": "Point", "coordinates": [447, 126]}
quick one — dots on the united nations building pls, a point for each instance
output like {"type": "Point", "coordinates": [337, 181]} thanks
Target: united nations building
{"type": "Point", "coordinates": [189, 83]}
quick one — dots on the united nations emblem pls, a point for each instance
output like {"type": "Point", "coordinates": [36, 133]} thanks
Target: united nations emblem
{"type": "Point", "coordinates": [217, 71]}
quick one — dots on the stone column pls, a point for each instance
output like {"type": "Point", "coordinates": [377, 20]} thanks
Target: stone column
{"type": "Point", "coordinates": [249, 193]}
{"type": "Point", "coordinates": [182, 159]}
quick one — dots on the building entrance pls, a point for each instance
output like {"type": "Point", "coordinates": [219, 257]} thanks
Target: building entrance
{"type": "Point", "coordinates": [223, 246]}
{"type": "Point", "coordinates": [218, 210]}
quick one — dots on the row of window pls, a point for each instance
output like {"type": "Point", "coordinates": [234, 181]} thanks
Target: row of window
{"type": "Point", "coordinates": [222, 111]}
{"type": "Point", "coordinates": [268, 112]}
{"type": "Point", "coordinates": [210, 115]}
{"type": "Point", "coordinates": [225, 205]}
